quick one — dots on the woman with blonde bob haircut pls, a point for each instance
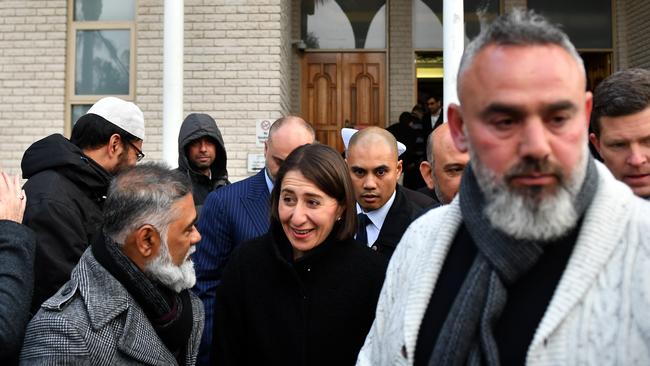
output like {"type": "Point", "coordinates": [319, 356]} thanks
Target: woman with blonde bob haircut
{"type": "Point", "coordinates": [304, 293]}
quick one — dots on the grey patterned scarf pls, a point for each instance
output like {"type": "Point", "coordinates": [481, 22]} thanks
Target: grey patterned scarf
{"type": "Point", "coordinates": [467, 335]}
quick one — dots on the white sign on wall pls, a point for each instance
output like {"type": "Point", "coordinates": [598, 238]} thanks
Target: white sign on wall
{"type": "Point", "coordinates": [262, 128]}
{"type": "Point", "coordinates": [255, 163]}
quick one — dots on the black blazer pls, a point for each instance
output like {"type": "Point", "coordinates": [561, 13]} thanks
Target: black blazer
{"type": "Point", "coordinates": [399, 217]}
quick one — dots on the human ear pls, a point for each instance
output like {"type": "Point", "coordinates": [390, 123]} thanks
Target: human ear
{"type": "Point", "coordinates": [147, 241]}
{"type": "Point", "coordinates": [456, 127]}
{"type": "Point", "coordinates": [425, 171]}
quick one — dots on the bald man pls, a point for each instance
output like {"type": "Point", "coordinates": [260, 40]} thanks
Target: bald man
{"type": "Point", "coordinates": [374, 168]}
{"type": "Point", "coordinates": [444, 166]}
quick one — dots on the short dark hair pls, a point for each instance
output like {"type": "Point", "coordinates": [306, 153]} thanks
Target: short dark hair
{"type": "Point", "coordinates": [143, 195]}
{"type": "Point", "coordinates": [92, 131]}
{"type": "Point", "coordinates": [622, 93]}
{"type": "Point", "coordinates": [324, 167]}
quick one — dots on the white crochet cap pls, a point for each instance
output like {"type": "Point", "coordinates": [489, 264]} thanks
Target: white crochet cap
{"type": "Point", "coordinates": [121, 113]}
{"type": "Point", "coordinates": [346, 135]}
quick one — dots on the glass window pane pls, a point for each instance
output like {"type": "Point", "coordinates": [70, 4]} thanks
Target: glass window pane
{"type": "Point", "coordinates": [427, 20]}
{"type": "Point", "coordinates": [78, 111]}
{"type": "Point", "coordinates": [587, 22]}
{"type": "Point", "coordinates": [89, 10]}
{"type": "Point", "coordinates": [344, 24]}
{"type": "Point", "coordinates": [102, 62]}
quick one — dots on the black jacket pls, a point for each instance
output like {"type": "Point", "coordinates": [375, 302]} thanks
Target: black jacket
{"type": "Point", "coordinates": [16, 283]}
{"type": "Point", "coordinates": [195, 126]}
{"type": "Point", "coordinates": [314, 311]}
{"type": "Point", "coordinates": [399, 217]}
{"type": "Point", "coordinates": [65, 193]}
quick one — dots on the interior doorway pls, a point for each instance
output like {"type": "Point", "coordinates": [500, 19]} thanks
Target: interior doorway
{"type": "Point", "coordinates": [428, 72]}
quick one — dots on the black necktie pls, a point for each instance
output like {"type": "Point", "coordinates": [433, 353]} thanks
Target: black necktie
{"type": "Point", "coordinates": [363, 221]}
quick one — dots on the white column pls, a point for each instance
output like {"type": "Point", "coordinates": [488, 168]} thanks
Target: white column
{"type": "Point", "coordinates": [453, 33]}
{"type": "Point", "coordinates": [172, 79]}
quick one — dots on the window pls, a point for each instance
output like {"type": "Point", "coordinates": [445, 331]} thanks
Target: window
{"type": "Point", "coordinates": [101, 42]}
{"type": "Point", "coordinates": [427, 20]}
{"type": "Point", "coordinates": [344, 24]}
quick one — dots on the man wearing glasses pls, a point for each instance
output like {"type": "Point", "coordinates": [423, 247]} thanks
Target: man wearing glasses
{"type": "Point", "coordinates": [67, 185]}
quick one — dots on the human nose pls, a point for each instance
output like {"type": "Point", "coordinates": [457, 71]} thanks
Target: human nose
{"type": "Point", "coordinates": [203, 145]}
{"type": "Point", "coordinates": [369, 182]}
{"type": "Point", "coordinates": [299, 214]}
{"type": "Point", "coordinates": [534, 140]}
{"type": "Point", "coordinates": [195, 236]}
{"type": "Point", "coordinates": [638, 156]}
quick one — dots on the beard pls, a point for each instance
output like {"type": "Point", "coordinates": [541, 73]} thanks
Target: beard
{"type": "Point", "coordinates": [163, 270]}
{"type": "Point", "coordinates": [122, 163]}
{"type": "Point", "coordinates": [531, 213]}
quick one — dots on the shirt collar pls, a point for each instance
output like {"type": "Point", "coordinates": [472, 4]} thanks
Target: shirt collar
{"type": "Point", "coordinates": [269, 182]}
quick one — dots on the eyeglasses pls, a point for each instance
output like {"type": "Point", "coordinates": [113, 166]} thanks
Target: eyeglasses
{"type": "Point", "coordinates": [139, 155]}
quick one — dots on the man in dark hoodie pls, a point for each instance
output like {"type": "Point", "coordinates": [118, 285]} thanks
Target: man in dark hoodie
{"type": "Point", "coordinates": [202, 156]}
{"type": "Point", "coordinates": [67, 184]}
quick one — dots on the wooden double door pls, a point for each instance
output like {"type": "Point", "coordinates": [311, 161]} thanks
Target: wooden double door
{"type": "Point", "coordinates": [343, 89]}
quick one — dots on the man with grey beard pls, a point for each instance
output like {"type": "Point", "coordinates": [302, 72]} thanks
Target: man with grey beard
{"type": "Point", "coordinates": [128, 299]}
{"type": "Point", "coordinates": [545, 256]}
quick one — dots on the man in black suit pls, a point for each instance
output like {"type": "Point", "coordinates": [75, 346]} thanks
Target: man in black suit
{"type": "Point", "coordinates": [375, 169]}
{"type": "Point", "coordinates": [433, 117]}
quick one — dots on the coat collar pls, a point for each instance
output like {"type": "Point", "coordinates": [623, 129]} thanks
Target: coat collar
{"type": "Point", "coordinates": [594, 248]}
{"type": "Point", "coordinates": [105, 299]}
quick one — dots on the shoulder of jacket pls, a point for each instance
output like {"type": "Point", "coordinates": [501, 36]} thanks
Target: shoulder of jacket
{"type": "Point", "coordinates": [59, 301]}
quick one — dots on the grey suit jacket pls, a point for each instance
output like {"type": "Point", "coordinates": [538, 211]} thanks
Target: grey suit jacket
{"type": "Point", "coordinates": [92, 320]}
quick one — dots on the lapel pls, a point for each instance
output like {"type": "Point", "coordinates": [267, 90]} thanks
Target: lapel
{"type": "Point", "coordinates": [431, 256]}
{"type": "Point", "coordinates": [197, 330]}
{"type": "Point", "coordinates": [256, 202]}
{"type": "Point", "coordinates": [140, 341]}
{"type": "Point", "coordinates": [398, 218]}
{"type": "Point", "coordinates": [596, 242]}
{"type": "Point", "coordinates": [106, 299]}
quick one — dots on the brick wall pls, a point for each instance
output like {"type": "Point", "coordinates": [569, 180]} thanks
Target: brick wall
{"type": "Point", "coordinates": [633, 44]}
{"type": "Point", "coordinates": [236, 69]}
{"type": "Point", "coordinates": [401, 72]}
{"type": "Point", "coordinates": [32, 75]}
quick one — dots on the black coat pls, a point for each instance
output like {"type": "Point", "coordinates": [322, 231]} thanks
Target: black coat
{"type": "Point", "coordinates": [65, 193]}
{"type": "Point", "coordinates": [195, 126]}
{"type": "Point", "coordinates": [314, 311]}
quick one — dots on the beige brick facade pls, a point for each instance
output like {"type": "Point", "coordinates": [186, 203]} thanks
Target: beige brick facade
{"type": "Point", "coordinates": [32, 75]}
{"type": "Point", "coordinates": [240, 66]}
{"type": "Point", "coordinates": [236, 68]}
{"type": "Point", "coordinates": [401, 69]}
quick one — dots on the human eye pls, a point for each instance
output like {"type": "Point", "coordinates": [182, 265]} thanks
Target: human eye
{"type": "Point", "coordinates": [358, 172]}
{"type": "Point", "coordinates": [381, 172]}
{"type": "Point", "coordinates": [617, 145]}
{"type": "Point", "coordinates": [313, 202]}
{"type": "Point", "coordinates": [504, 123]}
{"type": "Point", "coordinates": [288, 199]}
{"type": "Point", "coordinates": [454, 171]}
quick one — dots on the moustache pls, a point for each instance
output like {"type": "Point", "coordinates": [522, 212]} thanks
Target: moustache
{"type": "Point", "coordinates": [533, 166]}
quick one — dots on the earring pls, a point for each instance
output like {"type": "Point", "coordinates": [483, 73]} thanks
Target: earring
{"type": "Point", "coordinates": [338, 218]}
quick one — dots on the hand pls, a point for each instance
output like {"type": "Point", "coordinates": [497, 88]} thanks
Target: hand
{"type": "Point", "coordinates": [12, 198]}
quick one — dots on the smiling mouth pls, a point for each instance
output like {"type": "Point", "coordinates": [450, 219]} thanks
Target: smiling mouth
{"type": "Point", "coordinates": [302, 232]}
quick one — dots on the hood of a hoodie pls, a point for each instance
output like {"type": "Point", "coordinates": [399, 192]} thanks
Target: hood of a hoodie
{"type": "Point", "coordinates": [195, 126]}
{"type": "Point", "coordinates": [55, 152]}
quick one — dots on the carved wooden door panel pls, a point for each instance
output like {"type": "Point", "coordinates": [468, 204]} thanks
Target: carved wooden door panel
{"type": "Point", "coordinates": [363, 91]}
{"type": "Point", "coordinates": [342, 90]}
{"type": "Point", "coordinates": [320, 96]}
